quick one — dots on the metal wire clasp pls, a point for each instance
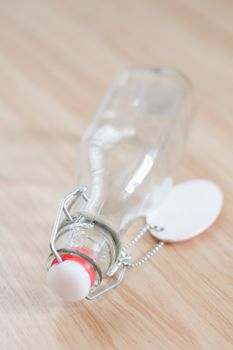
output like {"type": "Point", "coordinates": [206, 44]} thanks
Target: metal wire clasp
{"type": "Point", "coordinates": [124, 258]}
{"type": "Point", "coordinates": [65, 207]}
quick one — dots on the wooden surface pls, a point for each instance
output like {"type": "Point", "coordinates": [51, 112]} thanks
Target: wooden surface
{"type": "Point", "coordinates": [56, 61]}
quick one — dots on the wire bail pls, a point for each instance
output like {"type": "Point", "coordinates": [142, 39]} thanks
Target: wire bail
{"type": "Point", "coordinates": [71, 197]}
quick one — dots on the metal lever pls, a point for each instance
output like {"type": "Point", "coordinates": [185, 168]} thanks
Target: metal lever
{"type": "Point", "coordinates": [64, 208]}
{"type": "Point", "coordinates": [114, 284]}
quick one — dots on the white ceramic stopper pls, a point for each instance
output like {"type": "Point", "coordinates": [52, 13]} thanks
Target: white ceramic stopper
{"type": "Point", "coordinates": [69, 280]}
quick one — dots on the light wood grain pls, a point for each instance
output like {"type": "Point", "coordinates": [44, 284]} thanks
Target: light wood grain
{"type": "Point", "coordinates": [56, 61]}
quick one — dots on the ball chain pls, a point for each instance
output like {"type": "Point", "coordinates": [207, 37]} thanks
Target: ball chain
{"type": "Point", "coordinates": [148, 255]}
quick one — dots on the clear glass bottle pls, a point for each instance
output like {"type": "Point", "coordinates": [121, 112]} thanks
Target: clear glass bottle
{"type": "Point", "coordinates": [126, 161]}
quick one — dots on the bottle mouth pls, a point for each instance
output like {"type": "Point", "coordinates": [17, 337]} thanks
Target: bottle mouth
{"type": "Point", "coordinates": [82, 256]}
{"type": "Point", "coordinates": [69, 280]}
{"type": "Point", "coordinates": [73, 278]}
{"type": "Point", "coordinates": [82, 261]}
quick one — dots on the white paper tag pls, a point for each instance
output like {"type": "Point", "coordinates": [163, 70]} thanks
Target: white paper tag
{"type": "Point", "coordinates": [189, 209]}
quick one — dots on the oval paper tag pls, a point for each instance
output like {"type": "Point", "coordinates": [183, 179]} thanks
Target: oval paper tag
{"type": "Point", "coordinates": [188, 210]}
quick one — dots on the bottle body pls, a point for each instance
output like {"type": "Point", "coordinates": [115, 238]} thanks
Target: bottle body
{"type": "Point", "coordinates": [128, 154]}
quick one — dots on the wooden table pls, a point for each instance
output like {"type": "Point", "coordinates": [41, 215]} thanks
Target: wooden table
{"type": "Point", "coordinates": [57, 59]}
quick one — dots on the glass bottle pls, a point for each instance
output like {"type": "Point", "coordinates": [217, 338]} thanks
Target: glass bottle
{"type": "Point", "coordinates": [126, 161]}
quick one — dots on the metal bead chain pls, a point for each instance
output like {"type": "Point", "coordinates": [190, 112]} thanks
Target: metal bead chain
{"type": "Point", "coordinates": [136, 238]}
{"type": "Point", "coordinates": [148, 255]}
